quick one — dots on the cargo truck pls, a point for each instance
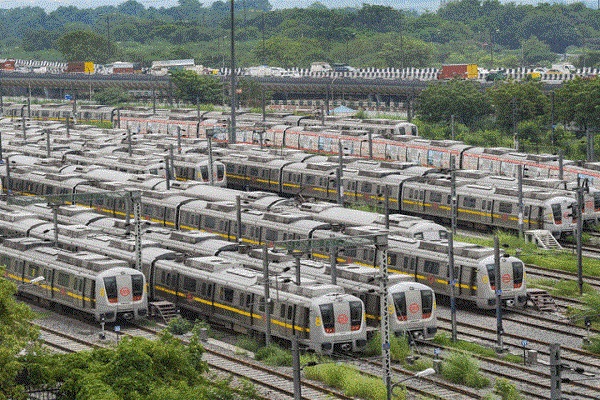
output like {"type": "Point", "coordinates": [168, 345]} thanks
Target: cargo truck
{"type": "Point", "coordinates": [459, 71]}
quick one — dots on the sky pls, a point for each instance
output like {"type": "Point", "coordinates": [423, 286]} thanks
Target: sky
{"type": "Point", "coordinates": [420, 5]}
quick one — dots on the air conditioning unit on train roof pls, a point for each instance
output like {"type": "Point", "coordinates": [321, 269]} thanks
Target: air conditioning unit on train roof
{"type": "Point", "coordinates": [497, 150]}
{"type": "Point", "coordinates": [23, 244]}
{"type": "Point", "coordinates": [14, 215]}
{"type": "Point", "coordinates": [542, 157]}
{"type": "Point", "coordinates": [223, 206]}
{"type": "Point", "coordinates": [283, 217]}
{"type": "Point", "coordinates": [470, 173]}
{"type": "Point", "coordinates": [376, 173]}
{"type": "Point", "coordinates": [316, 207]}
{"type": "Point", "coordinates": [321, 166]}
{"type": "Point", "coordinates": [210, 263]}
{"type": "Point", "coordinates": [192, 236]}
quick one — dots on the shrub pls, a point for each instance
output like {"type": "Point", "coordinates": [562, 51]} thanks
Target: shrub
{"type": "Point", "coordinates": [463, 369]}
{"type": "Point", "coordinates": [274, 355]}
{"type": "Point", "coordinates": [179, 326]}
{"type": "Point", "coordinates": [506, 390]}
{"type": "Point", "coordinates": [399, 347]}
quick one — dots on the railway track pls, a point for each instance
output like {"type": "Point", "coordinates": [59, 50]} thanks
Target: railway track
{"type": "Point", "coordinates": [530, 380]}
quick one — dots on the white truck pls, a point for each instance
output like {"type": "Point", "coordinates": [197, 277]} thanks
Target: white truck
{"type": "Point", "coordinates": [317, 67]}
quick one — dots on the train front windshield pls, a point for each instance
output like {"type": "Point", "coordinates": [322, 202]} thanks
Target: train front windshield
{"type": "Point", "coordinates": [400, 304]}
{"type": "Point", "coordinates": [427, 303]}
{"type": "Point", "coordinates": [137, 284]}
{"type": "Point", "coordinates": [327, 317]}
{"type": "Point", "coordinates": [517, 273]}
{"type": "Point", "coordinates": [110, 285]}
{"type": "Point", "coordinates": [356, 313]}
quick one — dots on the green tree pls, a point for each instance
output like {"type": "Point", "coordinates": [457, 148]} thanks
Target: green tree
{"type": "Point", "coordinates": [85, 46]}
{"type": "Point", "coordinates": [404, 51]}
{"type": "Point", "coordinates": [460, 98]}
{"type": "Point", "coordinates": [195, 88]}
{"type": "Point", "coordinates": [16, 334]}
{"type": "Point", "coordinates": [515, 102]}
{"type": "Point", "coordinates": [141, 369]}
{"type": "Point", "coordinates": [578, 102]}
{"type": "Point", "coordinates": [536, 52]}
{"type": "Point", "coordinates": [252, 93]}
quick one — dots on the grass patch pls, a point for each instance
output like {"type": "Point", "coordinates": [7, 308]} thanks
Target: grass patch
{"type": "Point", "coordinates": [274, 355]}
{"type": "Point", "coordinates": [506, 390]}
{"type": "Point", "coordinates": [594, 345]}
{"type": "Point", "coordinates": [350, 381]}
{"type": "Point", "coordinates": [560, 287]}
{"type": "Point", "coordinates": [529, 253]}
{"type": "Point", "coordinates": [247, 343]}
{"type": "Point", "coordinates": [443, 339]}
{"type": "Point", "coordinates": [463, 369]}
{"type": "Point", "coordinates": [399, 348]}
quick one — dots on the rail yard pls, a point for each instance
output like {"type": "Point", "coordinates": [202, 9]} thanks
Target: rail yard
{"type": "Point", "coordinates": [276, 255]}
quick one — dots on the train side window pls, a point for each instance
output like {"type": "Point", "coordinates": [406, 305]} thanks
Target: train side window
{"type": "Point", "coordinates": [421, 195]}
{"type": "Point", "coordinates": [290, 312]}
{"type": "Point", "coordinates": [366, 187]}
{"type": "Point", "coordinates": [34, 270]}
{"type": "Point", "coordinates": [449, 199]}
{"type": "Point", "coordinates": [63, 280]}
{"type": "Point", "coordinates": [163, 277]}
{"type": "Point", "coordinates": [431, 267]}
{"type": "Point", "coordinates": [253, 171]}
{"type": "Point", "coordinates": [469, 201]}
{"type": "Point", "coordinates": [261, 304]}
{"type": "Point", "coordinates": [483, 204]}
{"type": "Point", "coordinates": [410, 193]}
{"type": "Point", "coordinates": [505, 208]}
{"type": "Point", "coordinates": [309, 179]}
{"type": "Point", "coordinates": [227, 295]}
{"type": "Point", "coordinates": [406, 263]}
{"type": "Point", "coordinates": [282, 311]}
{"type": "Point", "coordinates": [210, 222]}
{"type": "Point", "coordinates": [189, 284]}
{"type": "Point", "coordinates": [413, 263]}
{"type": "Point", "coordinates": [203, 287]}
{"type": "Point", "coordinates": [248, 300]}
{"type": "Point", "coordinates": [557, 213]}
{"type": "Point", "coordinates": [271, 235]}
{"type": "Point", "coordinates": [435, 197]}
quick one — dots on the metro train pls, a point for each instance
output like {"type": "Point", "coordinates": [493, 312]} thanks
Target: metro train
{"type": "Point", "coordinates": [415, 309]}
{"type": "Point", "coordinates": [404, 146]}
{"type": "Point", "coordinates": [321, 316]}
{"type": "Point", "coordinates": [104, 288]}
{"type": "Point", "coordinates": [324, 318]}
{"type": "Point", "coordinates": [412, 190]}
{"type": "Point", "coordinates": [425, 261]}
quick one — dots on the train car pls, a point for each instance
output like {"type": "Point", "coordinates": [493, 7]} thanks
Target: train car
{"type": "Point", "coordinates": [414, 312]}
{"type": "Point", "coordinates": [321, 316]}
{"type": "Point", "coordinates": [90, 283]}
{"type": "Point", "coordinates": [427, 263]}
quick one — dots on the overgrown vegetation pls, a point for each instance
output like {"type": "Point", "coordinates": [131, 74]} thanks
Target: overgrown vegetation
{"type": "Point", "coordinates": [506, 390]}
{"type": "Point", "coordinates": [443, 339]}
{"type": "Point", "coordinates": [463, 369]}
{"type": "Point", "coordinates": [350, 381]}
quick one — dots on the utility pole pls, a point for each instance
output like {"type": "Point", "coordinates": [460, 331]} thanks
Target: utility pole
{"type": "Point", "coordinates": [581, 188]}
{"type": "Point", "coordinates": [232, 133]}
{"type": "Point", "coordinates": [340, 176]}
{"type": "Point", "coordinates": [520, 198]}
{"type": "Point", "coordinates": [555, 370]}
{"type": "Point", "coordinates": [452, 125]}
{"type": "Point", "coordinates": [497, 285]}
{"type": "Point", "coordinates": [266, 294]}
{"type": "Point", "coordinates": [453, 193]}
